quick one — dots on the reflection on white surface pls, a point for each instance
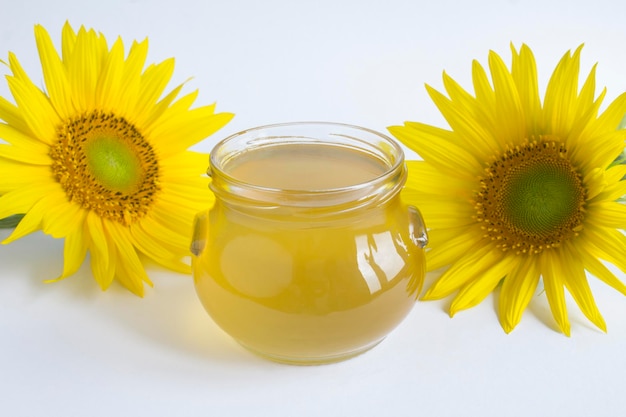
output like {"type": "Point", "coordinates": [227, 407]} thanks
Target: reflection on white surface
{"type": "Point", "coordinates": [378, 259]}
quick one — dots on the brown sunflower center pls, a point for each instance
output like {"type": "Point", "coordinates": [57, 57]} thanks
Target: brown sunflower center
{"type": "Point", "coordinates": [104, 164]}
{"type": "Point", "coordinates": [531, 197]}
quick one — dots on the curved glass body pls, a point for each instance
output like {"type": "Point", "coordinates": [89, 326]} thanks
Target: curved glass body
{"type": "Point", "coordinates": [309, 254]}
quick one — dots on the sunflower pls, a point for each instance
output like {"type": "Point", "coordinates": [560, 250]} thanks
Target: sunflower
{"type": "Point", "coordinates": [520, 191]}
{"type": "Point", "coordinates": [100, 157]}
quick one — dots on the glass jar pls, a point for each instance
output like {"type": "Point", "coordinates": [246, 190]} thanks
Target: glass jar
{"type": "Point", "coordinates": [309, 254]}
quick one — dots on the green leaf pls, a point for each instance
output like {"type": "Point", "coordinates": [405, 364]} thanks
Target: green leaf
{"type": "Point", "coordinates": [10, 222]}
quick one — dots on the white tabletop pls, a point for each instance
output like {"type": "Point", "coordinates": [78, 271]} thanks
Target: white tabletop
{"type": "Point", "coordinates": [69, 349]}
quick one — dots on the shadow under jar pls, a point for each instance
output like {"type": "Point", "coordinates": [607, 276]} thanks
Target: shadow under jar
{"type": "Point", "coordinates": [308, 255]}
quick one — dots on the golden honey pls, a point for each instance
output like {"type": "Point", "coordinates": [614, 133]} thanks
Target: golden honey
{"type": "Point", "coordinates": [308, 255]}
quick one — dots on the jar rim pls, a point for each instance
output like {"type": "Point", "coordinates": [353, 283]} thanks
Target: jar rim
{"type": "Point", "coordinates": [352, 136]}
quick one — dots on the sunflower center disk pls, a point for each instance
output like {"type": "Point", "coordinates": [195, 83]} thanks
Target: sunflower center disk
{"type": "Point", "coordinates": [104, 164]}
{"type": "Point", "coordinates": [113, 163]}
{"type": "Point", "coordinates": [531, 198]}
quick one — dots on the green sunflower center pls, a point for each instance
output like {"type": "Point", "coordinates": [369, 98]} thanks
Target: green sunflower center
{"type": "Point", "coordinates": [531, 198]}
{"type": "Point", "coordinates": [104, 164]}
{"type": "Point", "coordinates": [113, 163]}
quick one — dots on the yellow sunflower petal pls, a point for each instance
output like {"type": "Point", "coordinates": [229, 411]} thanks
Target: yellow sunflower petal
{"type": "Point", "coordinates": [467, 268]}
{"type": "Point", "coordinates": [508, 103]}
{"type": "Point", "coordinates": [524, 74]}
{"type": "Point", "coordinates": [53, 215]}
{"type": "Point", "coordinates": [601, 151]}
{"type": "Point", "coordinates": [425, 178]}
{"type": "Point", "coordinates": [483, 89]}
{"type": "Point", "coordinates": [109, 88]}
{"type": "Point", "coordinates": [467, 130]}
{"type": "Point", "coordinates": [470, 119]}
{"type": "Point", "coordinates": [609, 120]}
{"type": "Point", "coordinates": [613, 187]}
{"type": "Point", "coordinates": [12, 116]}
{"type": "Point", "coordinates": [475, 291]}
{"type": "Point", "coordinates": [188, 165]}
{"type": "Point", "coordinates": [30, 223]}
{"type": "Point", "coordinates": [615, 175]}
{"type": "Point", "coordinates": [81, 70]}
{"type": "Point", "coordinates": [35, 107]}
{"type": "Point", "coordinates": [434, 149]}
{"type": "Point", "coordinates": [54, 73]}
{"type": "Point", "coordinates": [166, 232]}
{"type": "Point", "coordinates": [595, 267]}
{"type": "Point", "coordinates": [163, 110]}
{"type": "Point", "coordinates": [102, 152]}
{"type": "Point", "coordinates": [84, 68]}
{"type": "Point", "coordinates": [576, 283]}
{"type": "Point", "coordinates": [517, 290]}
{"type": "Point", "coordinates": [154, 82]}
{"type": "Point", "coordinates": [68, 41]}
{"type": "Point", "coordinates": [607, 244]}
{"type": "Point", "coordinates": [127, 258]}
{"type": "Point", "coordinates": [19, 200]}
{"type": "Point", "coordinates": [74, 252]}
{"type": "Point", "coordinates": [102, 257]}
{"type": "Point", "coordinates": [61, 218]}
{"type": "Point", "coordinates": [599, 143]}
{"type": "Point", "coordinates": [518, 189]}
{"type": "Point", "coordinates": [587, 98]}
{"type": "Point", "coordinates": [595, 182]}
{"type": "Point", "coordinates": [561, 94]}
{"type": "Point", "coordinates": [446, 213]}
{"type": "Point", "coordinates": [553, 271]}
{"type": "Point", "coordinates": [125, 275]}
{"type": "Point", "coordinates": [201, 122]}
{"type": "Point", "coordinates": [24, 148]}
{"type": "Point", "coordinates": [189, 190]}
{"type": "Point", "coordinates": [587, 107]}
{"type": "Point", "coordinates": [448, 245]}
{"type": "Point", "coordinates": [608, 214]}
{"type": "Point", "coordinates": [130, 84]}
{"type": "Point", "coordinates": [17, 175]}
{"type": "Point", "coordinates": [156, 250]}
{"type": "Point", "coordinates": [49, 206]}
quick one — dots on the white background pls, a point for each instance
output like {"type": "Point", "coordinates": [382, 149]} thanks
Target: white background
{"type": "Point", "coordinates": [69, 349]}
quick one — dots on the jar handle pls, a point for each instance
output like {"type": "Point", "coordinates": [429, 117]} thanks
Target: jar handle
{"type": "Point", "coordinates": [200, 229]}
{"type": "Point", "coordinates": [417, 227]}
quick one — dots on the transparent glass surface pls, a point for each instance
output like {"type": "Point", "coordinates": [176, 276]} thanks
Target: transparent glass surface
{"type": "Point", "coordinates": [314, 274]}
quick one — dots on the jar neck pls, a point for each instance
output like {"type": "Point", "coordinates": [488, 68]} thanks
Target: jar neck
{"type": "Point", "coordinates": [245, 197]}
{"type": "Point", "coordinates": [244, 194]}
